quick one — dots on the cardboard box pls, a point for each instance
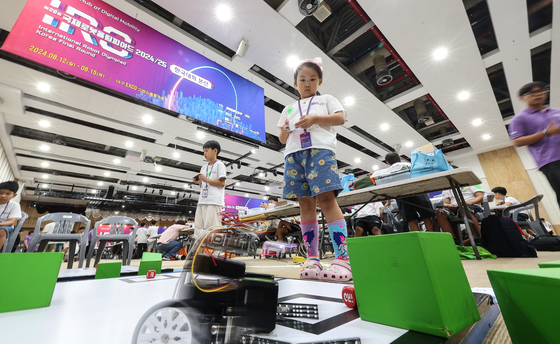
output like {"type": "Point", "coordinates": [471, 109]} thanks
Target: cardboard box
{"type": "Point", "coordinates": [414, 281]}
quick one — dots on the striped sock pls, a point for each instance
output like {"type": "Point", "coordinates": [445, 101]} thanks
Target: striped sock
{"type": "Point", "coordinates": [339, 233]}
{"type": "Point", "coordinates": [310, 232]}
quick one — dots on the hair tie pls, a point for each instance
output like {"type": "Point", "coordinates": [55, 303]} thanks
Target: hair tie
{"type": "Point", "coordinates": [317, 60]}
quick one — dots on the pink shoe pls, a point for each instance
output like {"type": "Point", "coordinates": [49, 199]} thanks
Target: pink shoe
{"type": "Point", "coordinates": [339, 271]}
{"type": "Point", "coordinates": [311, 271]}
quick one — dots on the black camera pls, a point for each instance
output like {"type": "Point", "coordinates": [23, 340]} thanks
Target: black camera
{"type": "Point", "coordinates": [197, 177]}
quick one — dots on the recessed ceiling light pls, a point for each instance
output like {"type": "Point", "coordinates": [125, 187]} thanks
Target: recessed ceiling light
{"type": "Point", "coordinates": [158, 168]}
{"type": "Point", "coordinates": [135, 187]}
{"type": "Point", "coordinates": [357, 160]}
{"type": "Point", "coordinates": [223, 12]}
{"type": "Point", "coordinates": [45, 176]}
{"type": "Point", "coordinates": [292, 61]}
{"type": "Point", "coordinates": [176, 155]}
{"type": "Point", "coordinates": [44, 87]}
{"type": "Point", "coordinates": [45, 186]}
{"type": "Point", "coordinates": [265, 198]}
{"type": "Point", "coordinates": [45, 164]}
{"type": "Point", "coordinates": [349, 101]}
{"type": "Point", "coordinates": [266, 188]}
{"type": "Point", "coordinates": [106, 174]}
{"type": "Point", "coordinates": [99, 183]}
{"type": "Point", "coordinates": [200, 135]}
{"type": "Point", "coordinates": [129, 144]}
{"type": "Point", "coordinates": [93, 191]}
{"type": "Point", "coordinates": [246, 195]}
{"type": "Point", "coordinates": [463, 95]}
{"type": "Point", "coordinates": [238, 184]}
{"type": "Point", "coordinates": [253, 151]}
{"type": "Point", "coordinates": [261, 174]}
{"type": "Point", "coordinates": [173, 192]}
{"type": "Point", "coordinates": [477, 122]}
{"type": "Point", "coordinates": [486, 137]}
{"type": "Point", "coordinates": [440, 54]}
{"type": "Point", "coordinates": [44, 123]}
{"type": "Point", "coordinates": [186, 186]}
{"type": "Point", "coordinates": [44, 147]}
{"type": "Point", "coordinates": [409, 144]}
{"type": "Point", "coordinates": [147, 119]}
{"type": "Point", "coordinates": [117, 161]}
{"type": "Point", "coordinates": [145, 179]}
{"type": "Point", "coordinates": [375, 167]}
{"type": "Point", "coordinates": [384, 126]}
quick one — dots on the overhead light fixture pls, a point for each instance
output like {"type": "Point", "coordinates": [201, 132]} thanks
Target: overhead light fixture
{"type": "Point", "coordinates": [440, 54]}
{"type": "Point", "coordinates": [106, 174]}
{"type": "Point", "coordinates": [45, 176]}
{"type": "Point", "coordinates": [44, 123]}
{"type": "Point", "coordinates": [253, 151]}
{"type": "Point", "coordinates": [184, 195]}
{"type": "Point", "coordinates": [477, 122]}
{"type": "Point", "coordinates": [384, 126]}
{"type": "Point", "coordinates": [357, 160]}
{"type": "Point", "coordinates": [145, 190]}
{"type": "Point", "coordinates": [275, 173]}
{"type": "Point", "coordinates": [134, 188]}
{"type": "Point", "coordinates": [409, 144]}
{"type": "Point", "coordinates": [246, 195]}
{"type": "Point", "coordinates": [176, 155]}
{"type": "Point", "coordinates": [116, 161]}
{"type": "Point", "coordinates": [129, 144]}
{"type": "Point", "coordinates": [160, 192]}
{"type": "Point", "coordinates": [375, 167]}
{"type": "Point", "coordinates": [231, 166]}
{"type": "Point", "coordinates": [44, 87]}
{"type": "Point", "coordinates": [127, 187]}
{"type": "Point", "coordinates": [44, 147]}
{"type": "Point", "coordinates": [463, 95]}
{"type": "Point", "coordinates": [93, 191]}
{"type": "Point", "coordinates": [158, 168]}
{"type": "Point", "coordinates": [292, 61]}
{"type": "Point", "coordinates": [145, 179]}
{"type": "Point", "coordinates": [153, 190]}
{"type": "Point", "coordinates": [99, 183]}
{"type": "Point", "coordinates": [486, 136]}
{"type": "Point", "coordinates": [45, 186]}
{"type": "Point", "coordinates": [265, 198]}
{"type": "Point", "coordinates": [45, 164]}
{"type": "Point", "coordinates": [200, 135]}
{"type": "Point", "coordinates": [186, 186]}
{"type": "Point", "coordinates": [122, 206]}
{"type": "Point", "coordinates": [224, 12]}
{"type": "Point", "coordinates": [261, 174]}
{"type": "Point", "coordinates": [238, 184]}
{"type": "Point", "coordinates": [173, 192]}
{"type": "Point", "coordinates": [147, 119]}
{"type": "Point", "coordinates": [349, 101]}
{"type": "Point", "coordinates": [239, 165]}
{"type": "Point", "coordinates": [266, 188]}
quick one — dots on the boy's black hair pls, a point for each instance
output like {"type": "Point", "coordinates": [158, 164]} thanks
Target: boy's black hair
{"type": "Point", "coordinates": [273, 198]}
{"type": "Point", "coordinates": [12, 186]}
{"type": "Point", "coordinates": [190, 219]}
{"type": "Point", "coordinates": [142, 224]}
{"type": "Point", "coordinates": [500, 189]}
{"type": "Point", "coordinates": [154, 222]}
{"type": "Point", "coordinates": [392, 158]}
{"type": "Point", "coordinates": [528, 87]}
{"type": "Point", "coordinates": [181, 222]}
{"type": "Point", "coordinates": [83, 227]}
{"type": "Point", "coordinates": [212, 144]}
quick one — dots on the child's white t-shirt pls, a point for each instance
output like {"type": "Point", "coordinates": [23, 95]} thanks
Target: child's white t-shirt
{"type": "Point", "coordinates": [467, 191]}
{"type": "Point", "coordinates": [216, 194]}
{"type": "Point", "coordinates": [10, 210]}
{"type": "Point", "coordinates": [142, 235]}
{"type": "Point", "coordinates": [322, 136]}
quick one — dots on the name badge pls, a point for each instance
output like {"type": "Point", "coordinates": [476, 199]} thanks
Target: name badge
{"type": "Point", "coordinates": [204, 193]}
{"type": "Point", "coordinates": [305, 139]}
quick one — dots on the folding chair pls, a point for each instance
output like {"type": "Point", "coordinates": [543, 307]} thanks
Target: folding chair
{"type": "Point", "coordinates": [9, 243]}
{"type": "Point", "coordinates": [116, 233]}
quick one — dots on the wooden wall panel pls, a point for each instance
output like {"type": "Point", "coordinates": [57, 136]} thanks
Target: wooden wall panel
{"type": "Point", "coordinates": [503, 167]}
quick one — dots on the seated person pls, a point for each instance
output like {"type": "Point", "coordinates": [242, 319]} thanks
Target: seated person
{"type": "Point", "coordinates": [272, 203]}
{"type": "Point", "coordinates": [27, 239]}
{"type": "Point", "coordinates": [10, 210]}
{"type": "Point", "coordinates": [368, 219]}
{"type": "Point", "coordinates": [415, 204]}
{"type": "Point", "coordinates": [286, 226]}
{"type": "Point", "coordinates": [500, 193]}
{"type": "Point", "coordinates": [547, 225]}
{"type": "Point", "coordinates": [167, 244]}
{"type": "Point", "coordinates": [473, 197]}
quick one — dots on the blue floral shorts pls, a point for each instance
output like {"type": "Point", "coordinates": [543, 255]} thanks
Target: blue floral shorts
{"type": "Point", "coordinates": [310, 172]}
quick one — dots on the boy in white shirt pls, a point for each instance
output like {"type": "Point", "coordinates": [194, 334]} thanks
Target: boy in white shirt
{"type": "Point", "coordinates": [10, 211]}
{"type": "Point", "coordinates": [152, 230]}
{"type": "Point", "coordinates": [473, 198]}
{"type": "Point", "coordinates": [141, 239]}
{"type": "Point", "coordinates": [368, 219]}
{"type": "Point", "coordinates": [212, 181]}
{"type": "Point", "coordinates": [500, 194]}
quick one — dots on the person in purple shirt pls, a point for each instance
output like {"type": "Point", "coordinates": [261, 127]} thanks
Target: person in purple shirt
{"type": "Point", "coordinates": [538, 128]}
{"type": "Point", "coordinates": [27, 239]}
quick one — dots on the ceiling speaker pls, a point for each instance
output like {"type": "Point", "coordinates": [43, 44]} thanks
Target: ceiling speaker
{"type": "Point", "coordinates": [242, 48]}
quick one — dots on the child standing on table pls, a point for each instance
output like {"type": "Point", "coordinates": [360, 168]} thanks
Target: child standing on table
{"type": "Point", "coordinates": [311, 173]}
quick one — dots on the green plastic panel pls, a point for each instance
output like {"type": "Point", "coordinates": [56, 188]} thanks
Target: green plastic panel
{"type": "Point", "coordinates": [553, 264]}
{"type": "Point", "coordinates": [528, 299]}
{"type": "Point", "coordinates": [28, 279]}
{"type": "Point", "coordinates": [108, 270]}
{"type": "Point", "coordinates": [414, 281]}
{"type": "Point", "coordinates": [150, 261]}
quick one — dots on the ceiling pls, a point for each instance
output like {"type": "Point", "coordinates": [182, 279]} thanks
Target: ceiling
{"type": "Point", "coordinates": [494, 47]}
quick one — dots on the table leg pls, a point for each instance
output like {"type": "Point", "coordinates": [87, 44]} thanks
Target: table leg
{"type": "Point", "coordinates": [463, 208]}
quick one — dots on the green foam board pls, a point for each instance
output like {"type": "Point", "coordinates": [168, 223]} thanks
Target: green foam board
{"type": "Point", "coordinates": [150, 261]}
{"type": "Point", "coordinates": [553, 264]}
{"type": "Point", "coordinates": [413, 281]}
{"type": "Point", "coordinates": [528, 299]}
{"type": "Point", "coordinates": [28, 279]}
{"type": "Point", "coordinates": [108, 270]}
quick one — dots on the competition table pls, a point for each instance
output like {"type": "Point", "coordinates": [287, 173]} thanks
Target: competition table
{"type": "Point", "coordinates": [286, 210]}
{"type": "Point", "coordinates": [453, 179]}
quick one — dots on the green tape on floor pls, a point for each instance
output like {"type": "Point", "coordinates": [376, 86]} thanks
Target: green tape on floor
{"type": "Point", "coordinates": [413, 281]}
{"type": "Point", "coordinates": [27, 280]}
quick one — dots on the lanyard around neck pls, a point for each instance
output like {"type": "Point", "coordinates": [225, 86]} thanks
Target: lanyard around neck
{"type": "Point", "coordinates": [5, 208]}
{"type": "Point", "coordinates": [208, 174]}
{"type": "Point", "coordinates": [301, 112]}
